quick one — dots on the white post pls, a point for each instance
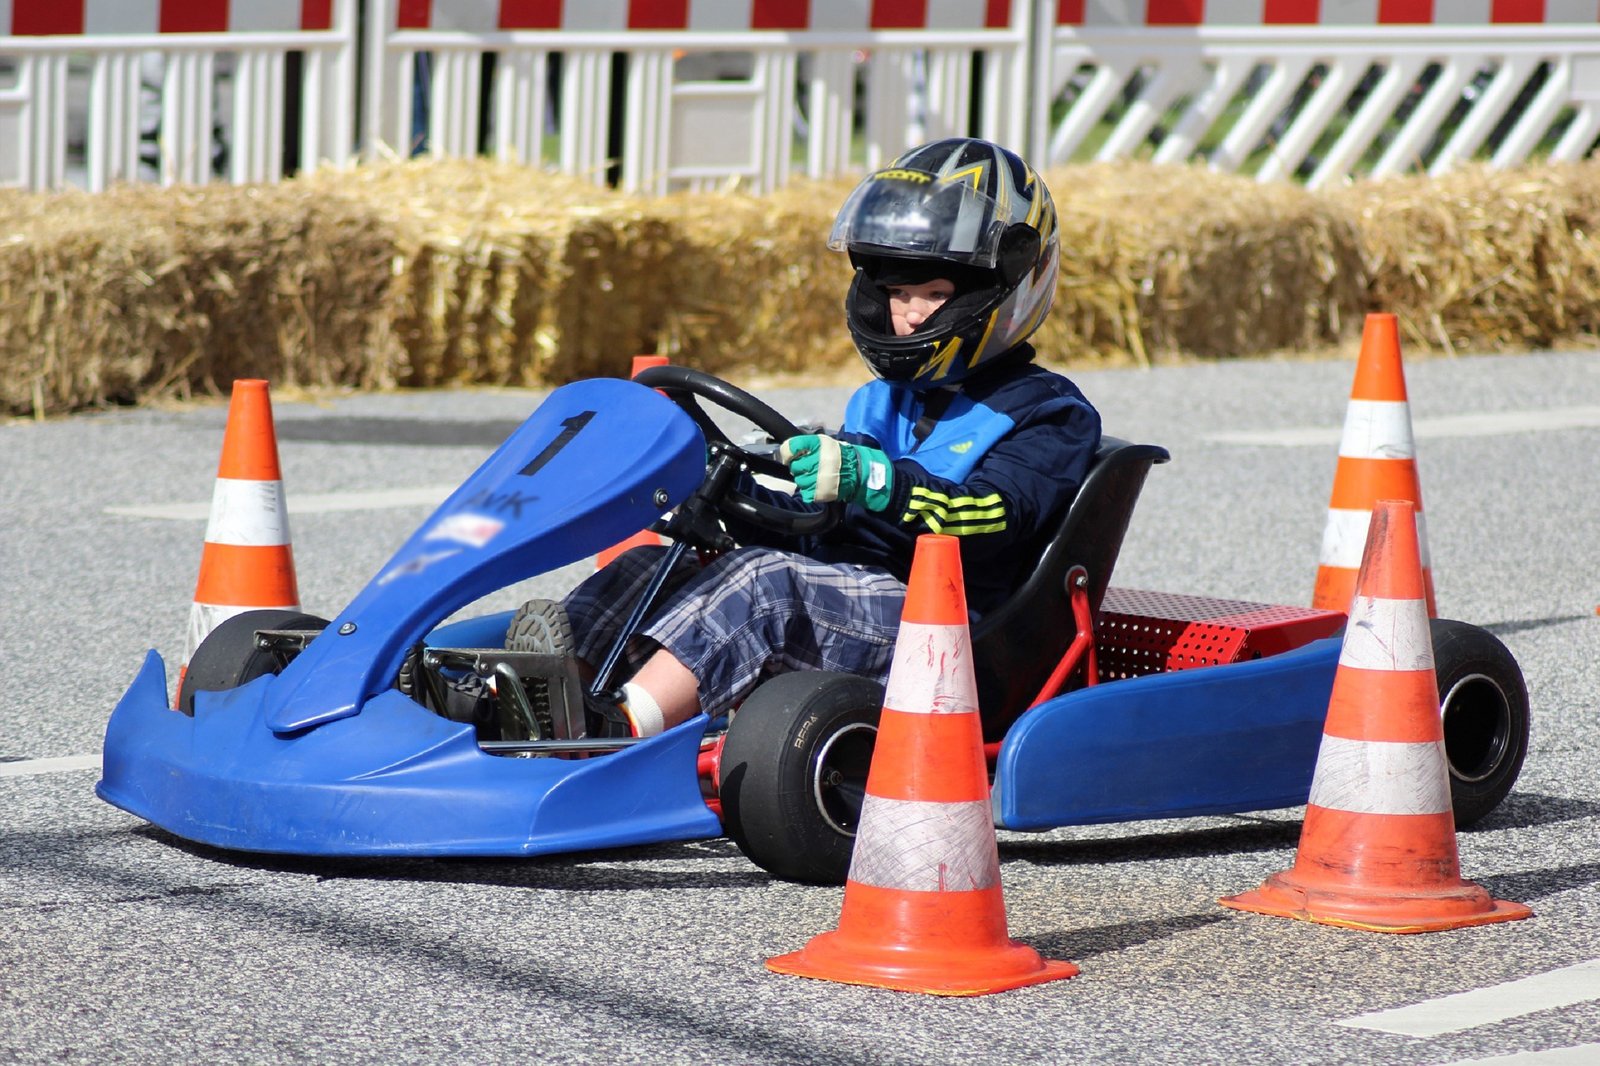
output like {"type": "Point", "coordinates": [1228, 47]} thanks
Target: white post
{"type": "Point", "coordinates": [1485, 113]}
{"type": "Point", "coordinates": [1368, 122]}
{"type": "Point", "coordinates": [1406, 148]}
{"type": "Point", "coordinates": [1541, 111]}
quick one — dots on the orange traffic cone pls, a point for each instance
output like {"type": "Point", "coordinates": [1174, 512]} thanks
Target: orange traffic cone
{"type": "Point", "coordinates": [922, 903]}
{"type": "Point", "coordinates": [1378, 846]}
{"type": "Point", "coordinates": [1377, 461]}
{"type": "Point", "coordinates": [644, 536]}
{"type": "Point", "coordinates": [246, 562]}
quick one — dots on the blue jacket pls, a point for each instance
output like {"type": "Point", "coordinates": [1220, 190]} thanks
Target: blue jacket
{"type": "Point", "coordinates": [996, 469]}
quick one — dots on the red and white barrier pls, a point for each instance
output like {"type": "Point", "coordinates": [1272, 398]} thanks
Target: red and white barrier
{"type": "Point", "coordinates": [700, 16]}
{"type": "Point", "coordinates": [1319, 89]}
{"type": "Point", "coordinates": [1322, 12]}
{"type": "Point", "coordinates": [157, 71]}
{"type": "Point", "coordinates": [94, 18]}
{"type": "Point", "coordinates": [753, 92]}
{"type": "Point", "coordinates": [916, 59]}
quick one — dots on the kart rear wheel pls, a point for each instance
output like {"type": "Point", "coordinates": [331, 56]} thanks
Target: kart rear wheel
{"type": "Point", "coordinates": [229, 656]}
{"type": "Point", "coordinates": [794, 772]}
{"type": "Point", "coordinates": [1484, 704]}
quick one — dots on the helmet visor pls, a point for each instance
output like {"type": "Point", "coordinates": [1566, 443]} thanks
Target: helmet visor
{"type": "Point", "coordinates": [908, 212]}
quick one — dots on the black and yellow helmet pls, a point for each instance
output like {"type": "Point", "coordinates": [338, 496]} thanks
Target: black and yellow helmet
{"type": "Point", "coordinates": [960, 208]}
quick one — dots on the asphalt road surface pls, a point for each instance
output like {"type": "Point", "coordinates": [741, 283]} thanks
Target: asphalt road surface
{"type": "Point", "coordinates": [121, 943]}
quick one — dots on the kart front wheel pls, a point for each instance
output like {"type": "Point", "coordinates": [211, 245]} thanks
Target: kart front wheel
{"type": "Point", "coordinates": [231, 656]}
{"type": "Point", "coordinates": [794, 772]}
{"type": "Point", "coordinates": [1484, 704]}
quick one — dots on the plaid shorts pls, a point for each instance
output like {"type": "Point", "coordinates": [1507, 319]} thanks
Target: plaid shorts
{"type": "Point", "coordinates": [745, 616]}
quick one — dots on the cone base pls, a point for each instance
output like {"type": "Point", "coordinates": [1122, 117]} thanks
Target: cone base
{"type": "Point", "coordinates": [1005, 966]}
{"type": "Point", "coordinates": [1451, 907]}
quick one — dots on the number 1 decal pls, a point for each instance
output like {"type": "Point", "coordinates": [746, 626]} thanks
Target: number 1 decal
{"type": "Point", "coordinates": [569, 429]}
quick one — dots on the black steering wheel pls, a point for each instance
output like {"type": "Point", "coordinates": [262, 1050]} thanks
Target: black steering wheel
{"type": "Point", "coordinates": [686, 386]}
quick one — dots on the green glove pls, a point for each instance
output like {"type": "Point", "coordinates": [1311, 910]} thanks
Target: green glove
{"type": "Point", "coordinates": [825, 469]}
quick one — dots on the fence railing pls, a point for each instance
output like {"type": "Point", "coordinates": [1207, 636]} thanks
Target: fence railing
{"type": "Point", "coordinates": [173, 90]}
{"type": "Point", "coordinates": [1356, 93]}
{"type": "Point", "coordinates": [666, 95]}
{"type": "Point", "coordinates": [657, 95]}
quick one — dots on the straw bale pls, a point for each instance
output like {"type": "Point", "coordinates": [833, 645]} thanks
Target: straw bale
{"type": "Point", "coordinates": [753, 284]}
{"type": "Point", "coordinates": [1179, 259]}
{"type": "Point", "coordinates": [142, 291]}
{"type": "Point", "coordinates": [1485, 259]}
{"type": "Point", "coordinates": [435, 272]}
{"type": "Point", "coordinates": [482, 254]}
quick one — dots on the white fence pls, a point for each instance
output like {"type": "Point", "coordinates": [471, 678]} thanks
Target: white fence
{"type": "Point", "coordinates": [711, 90]}
{"type": "Point", "coordinates": [1347, 87]}
{"type": "Point", "coordinates": [655, 95]}
{"type": "Point", "coordinates": [143, 82]}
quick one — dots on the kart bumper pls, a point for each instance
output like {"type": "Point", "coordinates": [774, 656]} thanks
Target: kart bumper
{"type": "Point", "coordinates": [1225, 739]}
{"type": "Point", "coordinates": [393, 780]}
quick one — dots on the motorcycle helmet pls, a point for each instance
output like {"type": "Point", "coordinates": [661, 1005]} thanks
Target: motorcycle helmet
{"type": "Point", "coordinates": [963, 209]}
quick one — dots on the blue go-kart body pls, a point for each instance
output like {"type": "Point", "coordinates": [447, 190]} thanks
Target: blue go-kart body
{"type": "Point", "coordinates": [329, 758]}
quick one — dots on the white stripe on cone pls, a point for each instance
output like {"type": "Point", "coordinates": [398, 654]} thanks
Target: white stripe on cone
{"type": "Point", "coordinates": [1377, 429]}
{"type": "Point", "coordinates": [922, 846]}
{"type": "Point", "coordinates": [1387, 634]}
{"type": "Point", "coordinates": [931, 671]}
{"type": "Point", "coordinates": [248, 513]}
{"type": "Point", "coordinates": [204, 617]}
{"type": "Point", "coordinates": [1344, 538]}
{"type": "Point", "coordinates": [1381, 777]}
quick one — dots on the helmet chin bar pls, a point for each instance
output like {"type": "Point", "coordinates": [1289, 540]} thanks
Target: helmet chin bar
{"type": "Point", "coordinates": [964, 205]}
{"type": "Point", "coordinates": [900, 359]}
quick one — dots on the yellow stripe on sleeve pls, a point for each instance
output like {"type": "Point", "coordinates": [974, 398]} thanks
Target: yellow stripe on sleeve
{"type": "Point", "coordinates": [959, 515]}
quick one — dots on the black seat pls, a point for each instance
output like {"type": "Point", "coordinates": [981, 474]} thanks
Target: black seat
{"type": "Point", "coordinates": [1019, 643]}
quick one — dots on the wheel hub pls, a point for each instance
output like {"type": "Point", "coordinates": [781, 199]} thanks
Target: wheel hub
{"type": "Point", "coordinates": [1477, 727]}
{"type": "Point", "coordinates": [839, 776]}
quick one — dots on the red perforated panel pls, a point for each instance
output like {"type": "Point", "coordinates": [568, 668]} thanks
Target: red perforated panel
{"type": "Point", "coordinates": [1143, 632]}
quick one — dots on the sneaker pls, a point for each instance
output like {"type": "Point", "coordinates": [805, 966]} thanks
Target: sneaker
{"type": "Point", "coordinates": [541, 626]}
{"type": "Point", "coordinates": [608, 716]}
{"type": "Point", "coordinates": [469, 698]}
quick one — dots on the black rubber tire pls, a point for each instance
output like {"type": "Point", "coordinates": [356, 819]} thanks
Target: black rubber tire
{"type": "Point", "coordinates": [1484, 704]}
{"type": "Point", "coordinates": [228, 657]}
{"type": "Point", "coordinates": [794, 772]}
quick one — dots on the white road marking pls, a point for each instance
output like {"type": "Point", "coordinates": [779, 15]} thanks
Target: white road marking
{"type": "Point", "coordinates": [1581, 1055]}
{"type": "Point", "coordinates": [1481, 1006]}
{"type": "Point", "coordinates": [305, 503]}
{"type": "Point", "coordinates": [29, 767]}
{"type": "Point", "coordinates": [1487, 424]}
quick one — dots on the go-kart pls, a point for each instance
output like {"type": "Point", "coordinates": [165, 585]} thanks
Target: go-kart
{"type": "Point", "coordinates": [351, 737]}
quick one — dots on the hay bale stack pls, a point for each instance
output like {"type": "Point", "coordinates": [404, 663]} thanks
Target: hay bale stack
{"type": "Point", "coordinates": [143, 291]}
{"type": "Point", "coordinates": [1484, 259]}
{"type": "Point", "coordinates": [752, 283]}
{"type": "Point", "coordinates": [432, 272]}
{"type": "Point", "coordinates": [504, 274]}
{"type": "Point", "coordinates": [510, 275]}
{"type": "Point", "coordinates": [1183, 260]}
